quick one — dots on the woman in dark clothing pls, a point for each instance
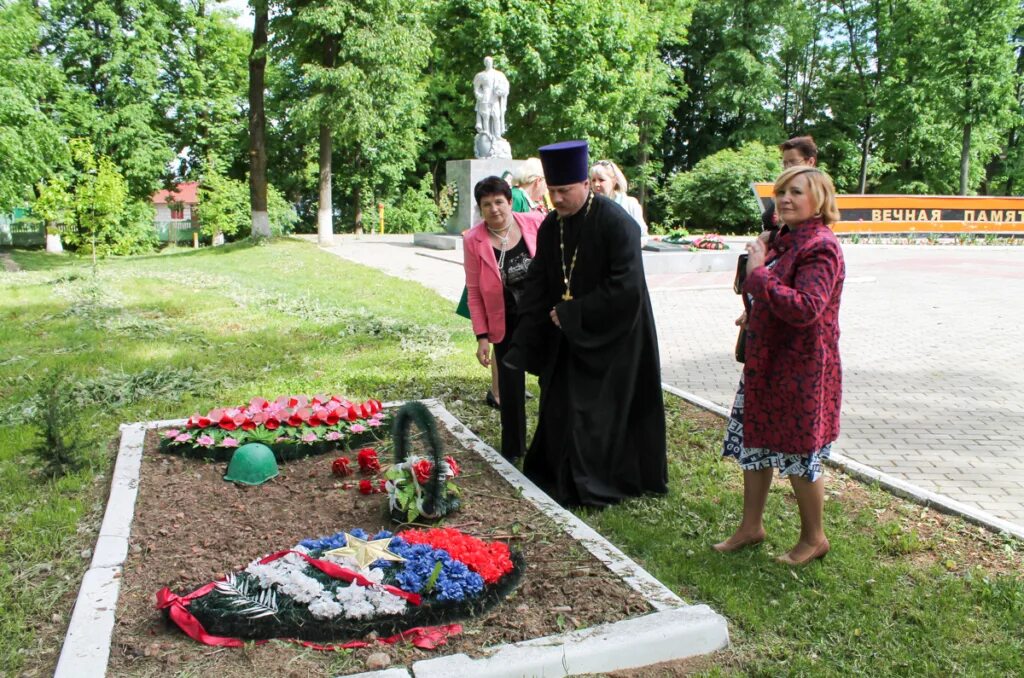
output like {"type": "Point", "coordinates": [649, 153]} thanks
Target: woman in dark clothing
{"type": "Point", "coordinates": [786, 414]}
{"type": "Point", "coordinates": [496, 255]}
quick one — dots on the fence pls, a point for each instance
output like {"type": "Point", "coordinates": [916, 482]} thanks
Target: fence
{"type": "Point", "coordinates": [18, 229]}
{"type": "Point", "coordinates": [180, 230]}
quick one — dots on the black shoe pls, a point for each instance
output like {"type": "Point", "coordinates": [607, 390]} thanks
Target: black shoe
{"type": "Point", "coordinates": [492, 401]}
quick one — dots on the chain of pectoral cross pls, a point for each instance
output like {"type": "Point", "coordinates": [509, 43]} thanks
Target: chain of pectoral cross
{"type": "Point", "coordinates": [567, 275]}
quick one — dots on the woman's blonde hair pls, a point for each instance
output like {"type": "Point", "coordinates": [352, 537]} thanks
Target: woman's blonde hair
{"type": "Point", "coordinates": [617, 175]}
{"type": "Point", "coordinates": [822, 190]}
{"type": "Point", "coordinates": [528, 172]}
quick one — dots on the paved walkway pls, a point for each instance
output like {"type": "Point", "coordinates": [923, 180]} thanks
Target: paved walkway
{"type": "Point", "coordinates": [932, 344]}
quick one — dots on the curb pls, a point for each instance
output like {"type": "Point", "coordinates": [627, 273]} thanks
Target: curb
{"type": "Point", "coordinates": [890, 483]}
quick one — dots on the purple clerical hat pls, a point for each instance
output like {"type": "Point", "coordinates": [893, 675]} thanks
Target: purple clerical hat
{"type": "Point", "coordinates": [567, 162]}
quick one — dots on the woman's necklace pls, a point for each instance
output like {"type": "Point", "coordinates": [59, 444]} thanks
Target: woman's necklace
{"type": "Point", "coordinates": [502, 234]}
{"type": "Point", "coordinates": [567, 275]}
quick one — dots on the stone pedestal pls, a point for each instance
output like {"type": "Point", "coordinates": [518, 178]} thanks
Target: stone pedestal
{"type": "Point", "coordinates": [465, 174]}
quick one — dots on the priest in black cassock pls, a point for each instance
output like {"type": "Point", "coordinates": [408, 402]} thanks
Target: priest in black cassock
{"type": "Point", "coordinates": [587, 329]}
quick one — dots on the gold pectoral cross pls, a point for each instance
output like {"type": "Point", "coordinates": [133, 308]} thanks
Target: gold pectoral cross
{"type": "Point", "coordinates": [567, 296]}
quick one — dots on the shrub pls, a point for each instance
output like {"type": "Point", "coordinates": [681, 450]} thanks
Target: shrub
{"type": "Point", "coordinates": [415, 212]}
{"type": "Point", "coordinates": [59, 445]}
{"type": "Point", "coordinates": [715, 195]}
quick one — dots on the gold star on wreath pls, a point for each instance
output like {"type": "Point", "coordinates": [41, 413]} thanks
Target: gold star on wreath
{"type": "Point", "coordinates": [365, 552]}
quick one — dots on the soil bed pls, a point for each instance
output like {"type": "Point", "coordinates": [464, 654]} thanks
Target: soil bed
{"type": "Point", "coordinates": [191, 527]}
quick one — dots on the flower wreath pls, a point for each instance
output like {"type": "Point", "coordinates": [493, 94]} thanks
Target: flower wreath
{"type": "Point", "coordinates": [323, 589]}
{"type": "Point", "coordinates": [293, 426]}
{"type": "Point", "coordinates": [418, 486]}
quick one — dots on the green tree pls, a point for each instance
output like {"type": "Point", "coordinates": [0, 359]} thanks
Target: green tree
{"type": "Point", "coordinates": [732, 79]}
{"type": "Point", "coordinates": [577, 69]}
{"type": "Point", "coordinates": [31, 143]}
{"type": "Point", "coordinates": [223, 204]}
{"type": "Point", "coordinates": [361, 63]}
{"type": "Point", "coordinates": [100, 199]}
{"type": "Point", "coordinates": [113, 51]}
{"type": "Point", "coordinates": [204, 88]}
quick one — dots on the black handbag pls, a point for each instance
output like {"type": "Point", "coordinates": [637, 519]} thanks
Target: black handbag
{"type": "Point", "coordinates": [737, 287]}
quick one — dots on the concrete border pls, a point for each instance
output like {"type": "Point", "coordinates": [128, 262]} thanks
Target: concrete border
{"type": "Point", "coordinates": [890, 483]}
{"type": "Point", "coordinates": [675, 631]}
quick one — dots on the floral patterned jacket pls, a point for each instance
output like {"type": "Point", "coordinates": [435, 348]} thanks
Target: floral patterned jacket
{"type": "Point", "coordinates": [793, 376]}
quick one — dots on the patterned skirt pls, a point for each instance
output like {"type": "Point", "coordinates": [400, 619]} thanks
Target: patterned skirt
{"type": "Point", "coordinates": [757, 458]}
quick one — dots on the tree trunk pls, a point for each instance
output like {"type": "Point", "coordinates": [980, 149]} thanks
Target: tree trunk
{"type": "Point", "coordinates": [53, 243]}
{"type": "Point", "coordinates": [325, 210]}
{"type": "Point", "coordinates": [357, 199]}
{"type": "Point", "coordinates": [865, 149]}
{"type": "Point", "coordinates": [258, 123]}
{"type": "Point", "coordinates": [965, 159]}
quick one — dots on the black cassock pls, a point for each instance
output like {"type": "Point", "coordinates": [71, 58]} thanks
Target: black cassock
{"type": "Point", "coordinates": [601, 433]}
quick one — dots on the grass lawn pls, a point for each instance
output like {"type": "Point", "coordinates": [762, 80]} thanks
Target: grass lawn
{"type": "Point", "coordinates": [905, 591]}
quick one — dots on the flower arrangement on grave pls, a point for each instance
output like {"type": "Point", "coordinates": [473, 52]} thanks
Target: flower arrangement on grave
{"type": "Point", "coordinates": [292, 426]}
{"type": "Point", "coordinates": [418, 486]}
{"type": "Point", "coordinates": [710, 241]}
{"type": "Point", "coordinates": [348, 585]}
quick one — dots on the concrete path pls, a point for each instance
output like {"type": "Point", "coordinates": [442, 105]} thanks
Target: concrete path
{"type": "Point", "coordinates": [931, 348]}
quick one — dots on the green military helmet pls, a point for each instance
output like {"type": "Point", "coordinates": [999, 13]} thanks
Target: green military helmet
{"type": "Point", "coordinates": [252, 464]}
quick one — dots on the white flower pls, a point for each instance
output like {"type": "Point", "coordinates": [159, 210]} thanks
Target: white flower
{"type": "Point", "coordinates": [324, 607]}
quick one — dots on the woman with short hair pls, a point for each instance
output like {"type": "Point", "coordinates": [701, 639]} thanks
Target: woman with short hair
{"type": "Point", "coordinates": [496, 256]}
{"type": "Point", "coordinates": [786, 412]}
{"type": "Point", "coordinates": [529, 187]}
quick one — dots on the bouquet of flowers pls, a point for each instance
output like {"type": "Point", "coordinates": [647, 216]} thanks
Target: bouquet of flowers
{"type": "Point", "coordinates": [418, 486]}
{"type": "Point", "coordinates": [348, 585]}
{"type": "Point", "coordinates": [711, 241]}
{"type": "Point", "coordinates": [407, 484]}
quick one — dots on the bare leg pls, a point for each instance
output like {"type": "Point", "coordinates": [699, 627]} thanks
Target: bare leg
{"type": "Point", "coordinates": [756, 485]}
{"type": "Point", "coordinates": [494, 379]}
{"type": "Point", "coordinates": [810, 498]}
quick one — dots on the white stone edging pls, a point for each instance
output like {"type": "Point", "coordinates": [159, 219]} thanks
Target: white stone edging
{"type": "Point", "coordinates": [886, 481]}
{"type": "Point", "coordinates": [675, 631]}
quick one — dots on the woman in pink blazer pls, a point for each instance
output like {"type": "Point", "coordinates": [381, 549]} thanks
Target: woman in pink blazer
{"type": "Point", "coordinates": [496, 254]}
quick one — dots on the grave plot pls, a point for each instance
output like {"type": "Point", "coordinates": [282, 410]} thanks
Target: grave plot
{"type": "Point", "coordinates": [312, 562]}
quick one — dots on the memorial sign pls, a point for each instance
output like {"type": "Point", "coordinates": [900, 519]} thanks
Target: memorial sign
{"type": "Point", "coordinates": [863, 213]}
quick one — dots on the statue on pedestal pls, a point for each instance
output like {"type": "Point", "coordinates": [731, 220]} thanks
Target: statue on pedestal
{"type": "Point", "coordinates": [490, 87]}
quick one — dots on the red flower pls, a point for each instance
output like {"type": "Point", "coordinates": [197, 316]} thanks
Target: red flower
{"type": "Point", "coordinates": [299, 417]}
{"type": "Point", "coordinates": [248, 425]}
{"type": "Point", "coordinates": [365, 410]}
{"type": "Point", "coordinates": [422, 470]}
{"type": "Point", "coordinates": [272, 424]}
{"type": "Point", "coordinates": [351, 414]}
{"type": "Point", "coordinates": [368, 461]}
{"type": "Point", "coordinates": [332, 418]}
{"type": "Point", "coordinates": [452, 465]}
{"type": "Point", "coordinates": [257, 404]}
{"type": "Point", "coordinates": [227, 423]}
{"type": "Point", "coordinates": [340, 466]}
{"type": "Point", "coordinates": [382, 486]}
{"type": "Point", "coordinates": [491, 560]}
{"type": "Point", "coordinates": [203, 422]}
{"type": "Point", "coordinates": [365, 486]}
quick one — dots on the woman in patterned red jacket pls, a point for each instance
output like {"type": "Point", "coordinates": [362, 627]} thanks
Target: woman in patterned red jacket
{"type": "Point", "coordinates": [786, 413]}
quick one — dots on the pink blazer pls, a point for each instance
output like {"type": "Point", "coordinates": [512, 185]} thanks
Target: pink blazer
{"type": "Point", "coordinates": [483, 279]}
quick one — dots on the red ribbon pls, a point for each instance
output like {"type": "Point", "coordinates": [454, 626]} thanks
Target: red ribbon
{"type": "Point", "coordinates": [425, 637]}
{"type": "Point", "coordinates": [338, 572]}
